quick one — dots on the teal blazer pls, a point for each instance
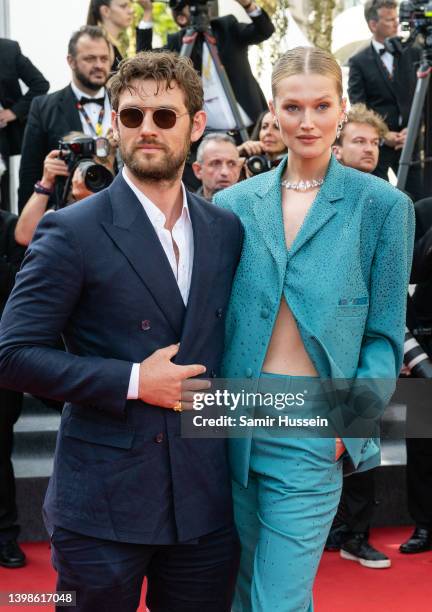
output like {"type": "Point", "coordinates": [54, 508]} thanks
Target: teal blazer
{"type": "Point", "coordinates": [346, 278]}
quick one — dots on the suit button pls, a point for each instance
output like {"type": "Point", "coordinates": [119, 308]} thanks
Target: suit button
{"type": "Point", "coordinates": [248, 372]}
{"type": "Point", "coordinates": [265, 313]}
{"type": "Point", "coordinates": [213, 374]}
{"type": "Point", "coordinates": [219, 313]}
{"type": "Point", "coordinates": [145, 325]}
{"type": "Point", "coordinates": [159, 438]}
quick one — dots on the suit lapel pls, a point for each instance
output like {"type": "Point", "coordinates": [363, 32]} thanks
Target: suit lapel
{"type": "Point", "coordinates": [388, 81]}
{"type": "Point", "coordinates": [268, 214]}
{"type": "Point", "coordinates": [133, 233]}
{"type": "Point", "coordinates": [322, 209]}
{"type": "Point", "coordinates": [206, 263]}
{"type": "Point", "coordinates": [69, 110]}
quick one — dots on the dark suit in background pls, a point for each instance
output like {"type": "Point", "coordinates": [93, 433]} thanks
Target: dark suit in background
{"type": "Point", "coordinates": [97, 273]}
{"type": "Point", "coordinates": [11, 255]}
{"type": "Point", "coordinates": [390, 96]}
{"type": "Point", "coordinates": [233, 39]}
{"type": "Point", "coordinates": [14, 66]}
{"type": "Point", "coordinates": [51, 117]}
{"type": "Point", "coordinates": [419, 315]}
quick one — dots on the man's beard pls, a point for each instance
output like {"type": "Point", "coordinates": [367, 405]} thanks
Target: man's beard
{"type": "Point", "coordinates": [84, 80]}
{"type": "Point", "coordinates": [166, 169]}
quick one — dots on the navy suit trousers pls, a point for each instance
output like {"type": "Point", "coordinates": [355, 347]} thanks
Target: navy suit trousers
{"type": "Point", "coordinates": [107, 576]}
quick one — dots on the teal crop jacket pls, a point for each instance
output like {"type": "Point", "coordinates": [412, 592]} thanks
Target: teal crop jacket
{"type": "Point", "coordinates": [345, 278]}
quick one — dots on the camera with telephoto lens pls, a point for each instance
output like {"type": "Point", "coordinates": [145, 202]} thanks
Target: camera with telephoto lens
{"type": "Point", "coordinates": [415, 16]}
{"type": "Point", "coordinates": [256, 164]}
{"type": "Point", "coordinates": [78, 153]}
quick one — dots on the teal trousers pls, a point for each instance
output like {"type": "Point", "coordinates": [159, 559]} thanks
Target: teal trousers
{"type": "Point", "coordinates": [283, 518]}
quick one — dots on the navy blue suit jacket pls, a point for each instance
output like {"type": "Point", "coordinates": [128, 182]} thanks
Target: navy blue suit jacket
{"type": "Point", "coordinates": [97, 273]}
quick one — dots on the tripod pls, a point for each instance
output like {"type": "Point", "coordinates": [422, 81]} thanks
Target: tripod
{"type": "Point", "coordinates": [200, 27]}
{"type": "Point", "coordinates": [423, 78]}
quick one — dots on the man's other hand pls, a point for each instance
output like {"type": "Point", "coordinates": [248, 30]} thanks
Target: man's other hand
{"type": "Point", "coordinates": [53, 166]}
{"type": "Point", "coordinates": [6, 116]}
{"type": "Point", "coordinates": [162, 382]}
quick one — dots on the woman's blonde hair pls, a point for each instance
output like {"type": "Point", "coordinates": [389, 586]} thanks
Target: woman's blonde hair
{"type": "Point", "coordinates": [306, 60]}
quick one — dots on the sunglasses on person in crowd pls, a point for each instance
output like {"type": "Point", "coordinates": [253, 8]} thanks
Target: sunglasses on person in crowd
{"type": "Point", "coordinates": [164, 118]}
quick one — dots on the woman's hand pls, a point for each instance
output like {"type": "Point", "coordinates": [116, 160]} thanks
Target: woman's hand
{"type": "Point", "coordinates": [53, 167]}
{"type": "Point", "coordinates": [250, 147]}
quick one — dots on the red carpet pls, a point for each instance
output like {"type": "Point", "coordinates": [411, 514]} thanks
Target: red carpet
{"type": "Point", "coordinates": [341, 585]}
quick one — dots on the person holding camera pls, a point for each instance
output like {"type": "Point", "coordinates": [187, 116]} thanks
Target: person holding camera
{"type": "Point", "coordinates": [82, 106]}
{"type": "Point", "coordinates": [218, 164]}
{"type": "Point", "coordinates": [78, 188]}
{"type": "Point", "coordinates": [232, 39]}
{"type": "Point", "coordinates": [266, 147]}
{"type": "Point", "coordinates": [114, 17]}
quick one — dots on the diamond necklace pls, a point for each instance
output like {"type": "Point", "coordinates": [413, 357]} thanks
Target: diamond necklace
{"type": "Point", "coordinates": [303, 185]}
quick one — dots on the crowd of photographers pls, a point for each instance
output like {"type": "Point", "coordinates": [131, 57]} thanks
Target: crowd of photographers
{"type": "Point", "coordinates": [68, 152]}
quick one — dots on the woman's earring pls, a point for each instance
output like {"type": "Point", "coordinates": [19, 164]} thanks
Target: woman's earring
{"type": "Point", "coordinates": [340, 126]}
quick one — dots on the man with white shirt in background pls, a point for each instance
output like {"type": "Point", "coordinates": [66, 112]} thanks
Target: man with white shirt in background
{"type": "Point", "coordinates": [383, 77]}
{"type": "Point", "coordinates": [82, 106]}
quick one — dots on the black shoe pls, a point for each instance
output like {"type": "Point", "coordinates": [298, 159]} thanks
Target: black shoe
{"type": "Point", "coordinates": [420, 541]}
{"type": "Point", "coordinates": [11, 554]}
{"type": "Point", "coordinates": [337, 537]}
{"type": "Point", "coordinates": [358, 549]}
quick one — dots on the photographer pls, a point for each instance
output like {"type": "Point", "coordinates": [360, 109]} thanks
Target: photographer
{"type": "Point", "coordinates": [54, 168]}
{"type": "Point", "coordinates": [114, 17]}
{"type": "Point", "coordinates": [81, 106]}
{"type": "Point", "coordinates": [232, 40]}
{"type": "Point", "coordinates": [266, 147]}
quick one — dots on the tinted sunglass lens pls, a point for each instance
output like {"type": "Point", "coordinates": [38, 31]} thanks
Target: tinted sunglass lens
{"type": "Point", "coordinates": [164, 118]}
{"type": "Point", "coordinates": [131, 117]}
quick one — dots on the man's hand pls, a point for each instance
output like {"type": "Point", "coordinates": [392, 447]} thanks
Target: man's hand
{"type": "Point", "coordinates": [162, 382]}
{"type": "Point", "coordinates": [79, 188]}
{"type": "Point", "coordinates": [391, 139]}
{"type": "Point", "coordinates": [402, 137]}
{"type": "Point", "coordinates": [250, 147]}
{"type": "Point", "coordinates": [53, 166]}
{"type": "Point", "coordinates": [248, 5]}
{"type": "Point", "coordinates": [148, 9]}
{"type": "Point", "coordinates": [396, 140]}
{"type": "Point", "coordinates": [6, 116]}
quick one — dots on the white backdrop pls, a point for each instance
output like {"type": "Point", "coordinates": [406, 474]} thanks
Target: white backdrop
{"type": "Point", "coordinates": [43, 28]}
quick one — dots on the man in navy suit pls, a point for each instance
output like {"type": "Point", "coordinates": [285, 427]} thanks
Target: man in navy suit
{"type": "Point", "coordinates": [137, 279]}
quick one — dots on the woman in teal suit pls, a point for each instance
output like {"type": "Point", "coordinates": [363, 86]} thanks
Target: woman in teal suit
{"type": "Point", "coordinates": [319, 294]}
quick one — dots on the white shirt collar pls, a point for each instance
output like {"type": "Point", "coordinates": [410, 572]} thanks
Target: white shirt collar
{"type": "Point", "coordinates": [377, 45]}
{"type": "Point", "coordinates": [79, 94]}
{"type": "Point", "coordinates": [156, 216]}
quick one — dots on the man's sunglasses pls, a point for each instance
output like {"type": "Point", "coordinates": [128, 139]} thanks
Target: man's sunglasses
{"type": "Point", "coordinates": [164, 118]}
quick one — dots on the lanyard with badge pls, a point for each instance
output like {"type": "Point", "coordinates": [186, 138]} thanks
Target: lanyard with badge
{"type": "Point", "coordinates": [98, 129]}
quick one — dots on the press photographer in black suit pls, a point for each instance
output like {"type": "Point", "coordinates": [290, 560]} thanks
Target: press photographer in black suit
{"type": "Point", "coordinates": [233, 39]}
{"type": "Point", "coordinates": [14, 106]}
{"type": "Point", "coordinates": [82, 106]}
{"type": "Point", "coordinates": [385, 82]}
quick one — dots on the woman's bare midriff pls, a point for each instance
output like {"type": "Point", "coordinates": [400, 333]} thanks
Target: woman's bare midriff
{"type": "Point", "coordinates": [286, 353]}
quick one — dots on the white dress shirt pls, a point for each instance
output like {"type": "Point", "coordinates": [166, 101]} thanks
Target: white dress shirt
{"type": "Point", "coordinates": [182, 234]}
{"type": "Point", "coordinates": [93, 111]}
{"type": "Point", "coordinates": [387, 58]}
